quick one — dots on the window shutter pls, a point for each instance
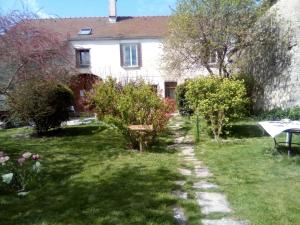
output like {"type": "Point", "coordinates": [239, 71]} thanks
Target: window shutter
{"type": "Point", "coordinates": [140, 54]}
{"type": "Point", "coordinates": [77, 55]}
{"type": "Point", "coordinates": [121, 55]}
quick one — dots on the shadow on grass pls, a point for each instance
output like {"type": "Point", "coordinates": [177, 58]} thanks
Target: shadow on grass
{"type": "Point", "coordinates": [245, 131]}
{"type": "Point", "coordinates": [284, 150]}
{"type": "Point", "coordinates": [88, 177]}
{"type": "Point", "coordinates": [74, 131]}
{"type": "Point", "coordinates": [162, 142]}
{"type": "Point", "coordinates": [128, 195]}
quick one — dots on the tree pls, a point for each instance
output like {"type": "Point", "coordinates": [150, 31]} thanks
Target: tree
{"type": "Point", "coordinates": [203, 29]}
{"type": "Point", "coordinates": [27, 50]}
{"type": "Point", "coordinates": [217, 100]}
{"type": "Point", "coordinates": [41, 101]}
{"type": "Point", "coordinates": [267, 59]}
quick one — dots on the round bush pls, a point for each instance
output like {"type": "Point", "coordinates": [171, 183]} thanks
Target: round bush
{"type": "Point", "coordinates": [45, 103]}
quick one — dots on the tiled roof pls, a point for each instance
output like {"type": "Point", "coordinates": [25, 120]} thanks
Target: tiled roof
{"type": "Point", "coordinates": [125, 27]}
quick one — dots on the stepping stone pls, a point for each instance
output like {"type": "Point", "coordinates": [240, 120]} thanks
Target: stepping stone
{"type": "Point", "coordinates": [203, 172]}
{"type": "Point", "coordinates": [185, 172]}
{"type": "Point", "coordinates": [180, 194]}
{"type": "Point", "coordinates": [204, 185]}
{"type": "Point", "coordinates": [187, 146]}
{"type": "Point", "coordinates": [179, 215]}
{"type": "Point", "coordinates": [187, 153]}
{"type": "Point", "coordinates": [179, 140]}
{"type": "Point", "coordinates": [197, 164]}
{"type": "Point", "coordinates": [212, 202]}
{"type": "Point", "coordinates": [224, 222]}
{"type": "Point", "coordinates": [180, 182]}
{"type": "Point", "coordinates": [189, 139]}
{"type": "Point", "coordinates": [190, 158]}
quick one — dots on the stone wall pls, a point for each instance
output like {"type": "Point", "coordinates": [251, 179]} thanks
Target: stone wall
{"type": "Point", "coordinates": [285, 91]}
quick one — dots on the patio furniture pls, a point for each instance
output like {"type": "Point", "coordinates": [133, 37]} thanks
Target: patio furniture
{"type": "Point", "coordinates": [274, 128]}
{"type": "Point", "coordinates": [142, 130]}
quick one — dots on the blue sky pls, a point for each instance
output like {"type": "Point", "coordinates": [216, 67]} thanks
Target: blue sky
{"type": "Point", "coordinates": [72, 8]}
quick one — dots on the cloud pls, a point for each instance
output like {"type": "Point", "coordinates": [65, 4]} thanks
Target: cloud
{"type": "Point", "coordinates": [33, 5]}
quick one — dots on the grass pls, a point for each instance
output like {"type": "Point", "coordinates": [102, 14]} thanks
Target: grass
{"type": "Point", "coordinates": [262, 185]}
{"type": "Point", "coordinates": [89, 177]}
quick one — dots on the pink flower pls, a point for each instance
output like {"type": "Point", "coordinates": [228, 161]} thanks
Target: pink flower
{"type": "Point", "coordinates": [21, 161]}
{"type": "Point", "coordinates": [3, 160]}
{"type": "Point", "coordinates": [27, 155]}
{"type": "Point", "coordinates": [36, 157]}
{"type": "Point", "coordinates": [2, 154]}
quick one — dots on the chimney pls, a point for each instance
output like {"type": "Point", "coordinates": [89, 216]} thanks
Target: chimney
{"type": "Point", "coordinates": [112, 11]}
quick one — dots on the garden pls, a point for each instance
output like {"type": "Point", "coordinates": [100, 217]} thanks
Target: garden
{"type": "Point", "coordinates": [125, 166]}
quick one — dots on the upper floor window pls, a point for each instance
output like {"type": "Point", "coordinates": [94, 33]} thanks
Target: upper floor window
{"type": "Point", "coordinates": [131, 55]}
{"type": "Point", "coordinates": [213, 59]}
{"type": "Point", "coordinates": [83, 58]}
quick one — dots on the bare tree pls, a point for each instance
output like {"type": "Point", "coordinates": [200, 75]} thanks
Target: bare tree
{"type": "Point", "coordinates": [201, 30]}
{"type": "Point", "coordinates": [28, 50]}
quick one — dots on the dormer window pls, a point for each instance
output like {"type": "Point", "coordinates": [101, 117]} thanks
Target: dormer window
{"type": "Point", "coordinates": [85, 31]}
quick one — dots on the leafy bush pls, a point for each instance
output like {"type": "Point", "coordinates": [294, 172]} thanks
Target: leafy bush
{"type": "Point", "coordinates": [17, 175]}
{"type": "Point", "coordinates": [218, 100]}
{"type": "Point", "coordinates": [280, 113]}
{"type": "Point", "coordinates": [132, 104]}
{"type": "Point", "coordinates": [181, 101]}
{"type": "Point", "coordinates": [46, 103]}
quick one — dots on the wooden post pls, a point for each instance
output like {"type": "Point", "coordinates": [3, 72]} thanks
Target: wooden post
{"type": "Point", "coordinates": [197, 129]}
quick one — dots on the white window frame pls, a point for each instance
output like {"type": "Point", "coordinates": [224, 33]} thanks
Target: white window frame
{"type": "Point", "coordinates": [131, 45]}
{"type": "Point", "coordinates": [213, 58]}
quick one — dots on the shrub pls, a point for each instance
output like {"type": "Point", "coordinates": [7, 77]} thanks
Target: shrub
{"type": "Point", "coordinates": [132, 104]}
{"type": "Point", "coordinates": [218, 100]}
{"type": "Point", "coordinates": [181, 101]}
{"type": "Point", "coordinates": [280, 113]}
{"type": "Point", "coordinates": [46, 103]}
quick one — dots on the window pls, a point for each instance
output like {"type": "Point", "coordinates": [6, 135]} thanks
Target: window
{"type": "Point", "coordinates": [213, 58]}
{"type": "Point", "coordinates": [83, 58]}
{"type": "Point", "coordinates": [82, 93]}
{"type": "Point", "coordinates": [170, 88]}
{"type": "Point", "coordinates": [131, 55]}
{"type": "Point", "coordinates": [85, 31]}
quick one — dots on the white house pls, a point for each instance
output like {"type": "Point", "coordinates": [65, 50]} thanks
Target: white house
{"type": "Point", "coordinates": [126, 48]}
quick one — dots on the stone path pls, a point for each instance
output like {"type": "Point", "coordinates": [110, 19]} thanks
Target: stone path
{"type": "Point", "coordinates": [209, 199]}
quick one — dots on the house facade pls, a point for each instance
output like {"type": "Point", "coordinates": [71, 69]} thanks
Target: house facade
{"type": "Point", "coordinates": [125, 48]}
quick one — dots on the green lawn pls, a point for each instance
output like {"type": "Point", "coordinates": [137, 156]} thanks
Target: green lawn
{"type": "Point", "coordinates": [262, 186]}
{"type": "Point", "coordinates": [90, 178]}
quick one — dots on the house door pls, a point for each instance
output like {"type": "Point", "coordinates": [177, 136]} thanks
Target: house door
{"type": "Point", "coordinates": [170, 88]}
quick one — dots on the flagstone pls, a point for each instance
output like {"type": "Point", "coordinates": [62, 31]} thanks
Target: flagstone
{"type": "Point", "coordinates": [205, 185]}
{"type": "Point", "coordinates": [185, 172]}
{"type": "Point", "coordinates": [212, 202]}
{"type": "Point", "coordinates": [179, 216]}
{"type": "Point", "coordinates": [224, 222]}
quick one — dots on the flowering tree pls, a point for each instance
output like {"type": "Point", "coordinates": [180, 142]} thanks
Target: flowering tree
{"type": "Point", "coordinates": [27, 50]}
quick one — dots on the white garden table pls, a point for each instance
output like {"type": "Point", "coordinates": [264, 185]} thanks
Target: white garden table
{"type": "Point", "coordinates": [274, 128]}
